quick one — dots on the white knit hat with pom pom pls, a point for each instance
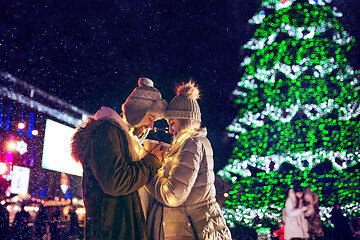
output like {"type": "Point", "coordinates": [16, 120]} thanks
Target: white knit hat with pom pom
{"type": "Point", "coordinates": [184, 105]}
{"type": "Point", "coordinates": [144, 99]}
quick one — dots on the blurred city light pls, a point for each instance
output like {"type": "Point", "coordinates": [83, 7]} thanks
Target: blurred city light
{"type": "Point", "coordinates": [12, 146]}
{"type": "Point", "coordinates": [21, 125]}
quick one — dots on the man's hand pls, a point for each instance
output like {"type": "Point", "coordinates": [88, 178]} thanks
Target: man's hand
{"type": "Point", "coordinates": [158, 153]}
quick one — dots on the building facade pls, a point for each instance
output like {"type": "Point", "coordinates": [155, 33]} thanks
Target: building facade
{"type": "Point", "coordinates": [35, 132]}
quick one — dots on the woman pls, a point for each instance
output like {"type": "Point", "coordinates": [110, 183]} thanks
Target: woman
{"type": "Point", "coordinates": [312, 214]}
{"type": "Point", "coordinates": [185, 206]}
{"type": "Point", "coordinates": [296, 226]}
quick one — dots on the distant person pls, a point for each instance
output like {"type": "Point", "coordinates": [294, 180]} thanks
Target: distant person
{"type": "Point", "coordinates": [55, 219]}
{"type": "Point", "coordinates": [279, 233]}
{"type": "Point", "coordinates": [21, 230]}
{"type": "Point", "coordinates": [243, 232]}
{"type": "Point", "coordinates": [184, 189]}
{"type": "Point", "coordinates": [355, 228]}
{"type": "Point", "coordinates": [340, 222]}
{"type": "Point", "coordinates": [113, 174]}
{"type": "Point", "coordinates": [4, 222]}
{"type": "Point", "coordinates": [312, 215]}
{"type": "Point", "coordinates": [296, 226]}
{"type": "Point", "coordinates": [41, 223]}
{"type": "Point", "coordinates": [74, 229]}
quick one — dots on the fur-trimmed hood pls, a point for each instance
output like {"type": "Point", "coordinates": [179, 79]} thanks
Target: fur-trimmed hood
{"type": "Point", "coordinates": [80, 140]}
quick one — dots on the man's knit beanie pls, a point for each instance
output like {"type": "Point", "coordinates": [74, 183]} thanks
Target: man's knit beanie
{"type": "Point", "coordinates": [184, 105]}
{"type": "Point", "coordinates": [144, 99]}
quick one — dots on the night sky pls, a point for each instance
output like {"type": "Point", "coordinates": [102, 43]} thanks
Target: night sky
{"type": "Point", "coordinates": [91, 53]}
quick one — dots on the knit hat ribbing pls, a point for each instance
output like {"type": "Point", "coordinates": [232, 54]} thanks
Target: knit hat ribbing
{"type": "Point", "coordinates": [184, 105]}
{"type": "Point", "coordinates": [144, 99]}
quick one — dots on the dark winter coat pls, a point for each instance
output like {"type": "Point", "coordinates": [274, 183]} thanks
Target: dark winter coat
{"type": "Point", "coordinates": [111, 180]}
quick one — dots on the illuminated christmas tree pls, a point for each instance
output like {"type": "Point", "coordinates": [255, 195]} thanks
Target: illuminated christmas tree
{"type": "Point", "coordinates": [298, 116]}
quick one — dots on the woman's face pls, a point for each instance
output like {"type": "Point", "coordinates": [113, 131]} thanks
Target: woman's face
{"type": "Point", "coordinates": [299, 194]}
{"type": "Point", "coordinates": [174, 126]}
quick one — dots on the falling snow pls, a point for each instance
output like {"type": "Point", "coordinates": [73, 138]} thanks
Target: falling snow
{"type": "Point", "coordinates": [92, 54]}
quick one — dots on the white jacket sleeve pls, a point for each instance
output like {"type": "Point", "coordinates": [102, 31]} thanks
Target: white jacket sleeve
{"type": "Point", "coordinates": [290, 209]}
{"type": "Point", "coordinates": [175, 189]}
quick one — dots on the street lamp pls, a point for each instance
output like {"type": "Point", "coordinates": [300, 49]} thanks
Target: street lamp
{"type": "Point", "coordinates": [12, 145]}
{"type": "Point", "coordinates": [21, 125]}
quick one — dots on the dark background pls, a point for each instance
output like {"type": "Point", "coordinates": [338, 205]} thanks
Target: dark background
{"type": "Point", "coordinates": [91, 53]}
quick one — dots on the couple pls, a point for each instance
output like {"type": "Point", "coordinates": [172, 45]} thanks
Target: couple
{"type": "Point", "coordinates": [182, 182]}
{"type": "Point", "coordinates": [301, 215]}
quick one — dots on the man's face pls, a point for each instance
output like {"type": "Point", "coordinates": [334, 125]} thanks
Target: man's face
{"type": "Point", "coordinates": [307, 197]}
{"type": "Point", "coordinates": [147, 122]}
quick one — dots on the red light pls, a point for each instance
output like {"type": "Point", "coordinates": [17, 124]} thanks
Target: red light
{"type": "Point", "coordinates": [35, 132]}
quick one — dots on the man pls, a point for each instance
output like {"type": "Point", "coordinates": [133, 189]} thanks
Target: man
{"type": "Point", "coordinates": [112, 176]}
{"type": "Point", "coordinates": [341, 230]}
{"type": "Point", "coordinates": [20, 224]}
{"type": "Point", "coordinates": [4, 222]}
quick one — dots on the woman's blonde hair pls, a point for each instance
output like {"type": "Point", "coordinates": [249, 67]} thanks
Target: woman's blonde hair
{"type": "Point", "coordinates": [186, 124]}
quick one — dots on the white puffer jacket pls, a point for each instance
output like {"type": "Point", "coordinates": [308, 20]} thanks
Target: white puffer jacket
{"type": "Point", "coordinates": [185, 187]}
{"type": "Point", "coordinates": [296, 225]}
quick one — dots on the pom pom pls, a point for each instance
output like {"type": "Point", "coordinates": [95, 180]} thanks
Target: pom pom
{"type": "Point", "coordinates": [145, 82]}
{"type": "Point", "coordinates": [189, 90]}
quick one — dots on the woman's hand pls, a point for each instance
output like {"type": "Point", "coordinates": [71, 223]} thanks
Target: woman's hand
{"type": "Point", "coordinates": [158, 153]}
{"type": "Point", "coordinates": [304, 209]}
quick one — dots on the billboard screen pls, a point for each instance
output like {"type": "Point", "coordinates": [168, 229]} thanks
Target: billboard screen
{"type": "Point", "coordinates": [20, 180]}
{"type": "Point", "coordinates": [56, 150]}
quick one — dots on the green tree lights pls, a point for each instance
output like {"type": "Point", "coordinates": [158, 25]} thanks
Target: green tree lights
{"type": "Point", "coordinates": [299, 116]}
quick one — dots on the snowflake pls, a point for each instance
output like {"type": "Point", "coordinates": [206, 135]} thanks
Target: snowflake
{"type": "Point", "coordinates": [21, 147]}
